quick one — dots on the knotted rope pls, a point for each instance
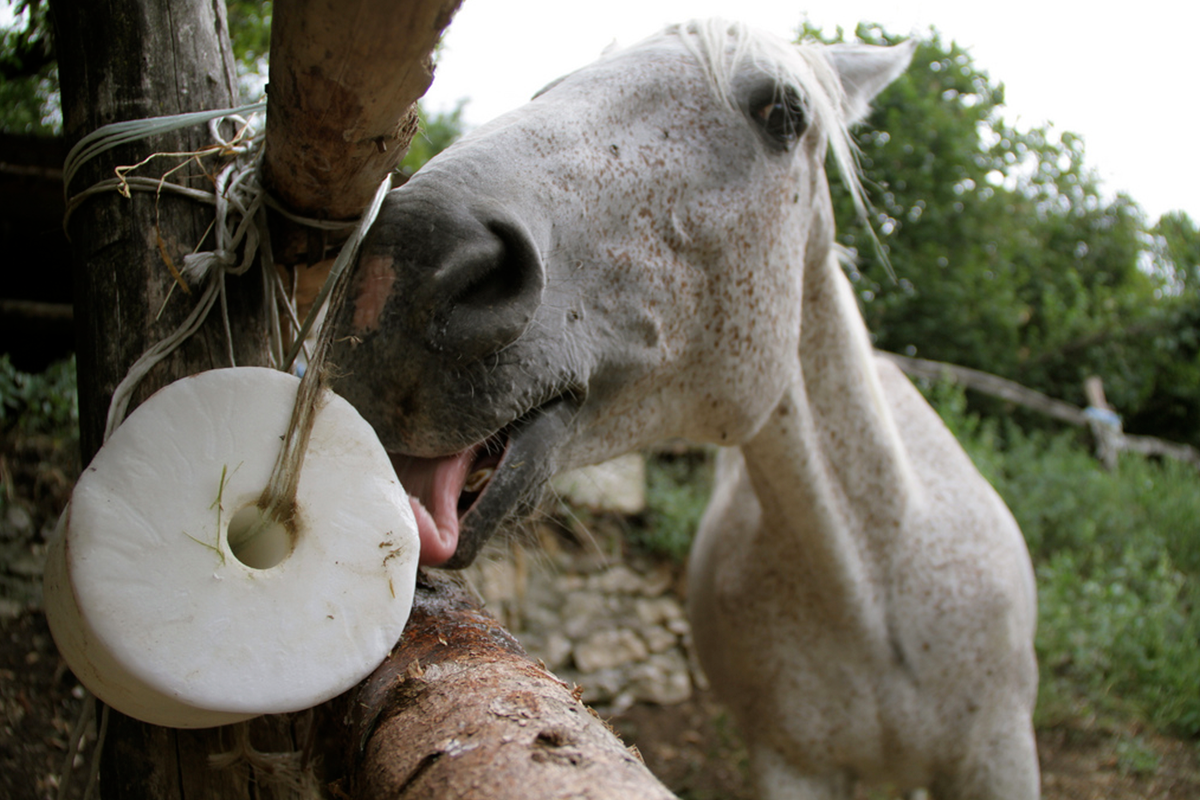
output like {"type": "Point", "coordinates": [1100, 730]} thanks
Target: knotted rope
{"type": "Point", "coordinates": [240, 204]}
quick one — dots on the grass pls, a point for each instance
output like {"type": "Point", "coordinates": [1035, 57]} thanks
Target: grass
{"type": "Point", "coordinates": [1117, 556]}
{"type": "Point", "coordinates": [42, 403]}
{"type": "Point", "coordinates": [677, 489]}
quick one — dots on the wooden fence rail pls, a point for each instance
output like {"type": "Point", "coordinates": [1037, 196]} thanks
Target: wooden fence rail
{"type": "Point", "coordinates": [1010, 391]}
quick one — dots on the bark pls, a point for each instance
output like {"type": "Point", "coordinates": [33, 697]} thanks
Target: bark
{"type": "Point", "coordinates": [345, 78]}
{"type": "Point", "coordinates": [458, 710]}
{"type": "Point", "coordinates": [118, 61]}
{"type": "Point", "coordinates": [344, 81]}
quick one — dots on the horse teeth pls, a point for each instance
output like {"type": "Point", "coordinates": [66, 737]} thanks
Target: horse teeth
{"type": "Point", "coordinates": [478, 479]}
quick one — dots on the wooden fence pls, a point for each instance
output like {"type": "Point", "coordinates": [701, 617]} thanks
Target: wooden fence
{"type": "Point", "coordinates": [1110, 439]}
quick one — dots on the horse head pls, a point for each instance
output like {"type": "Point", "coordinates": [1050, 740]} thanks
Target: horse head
{"type": "Point", "coordinates": [617, 262]}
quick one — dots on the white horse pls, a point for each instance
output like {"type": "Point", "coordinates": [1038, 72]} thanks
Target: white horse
{"type": "Point", "coordinates": [646, 251]}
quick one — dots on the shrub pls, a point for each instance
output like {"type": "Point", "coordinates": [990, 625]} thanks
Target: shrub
{"type": "Point", "coordinates": [1117, 556]}
{"type": "Point", "coordinates": [45, 403]}
{"type": "Point", "coordinates": [677, 490]}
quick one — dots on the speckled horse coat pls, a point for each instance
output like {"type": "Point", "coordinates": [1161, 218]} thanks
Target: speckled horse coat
{"type": "Point", "coordinates": [646, 251]}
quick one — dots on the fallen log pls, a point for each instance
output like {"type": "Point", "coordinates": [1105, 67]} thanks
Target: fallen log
{"type": "Point", "coordinates": [989, 384]}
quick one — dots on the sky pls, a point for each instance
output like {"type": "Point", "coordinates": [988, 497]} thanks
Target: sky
{"type": "Point", "coordinates": [1122, 76]}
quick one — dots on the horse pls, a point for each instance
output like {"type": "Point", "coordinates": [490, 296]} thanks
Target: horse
{"type": "Point", "coordinates": [646, 251]}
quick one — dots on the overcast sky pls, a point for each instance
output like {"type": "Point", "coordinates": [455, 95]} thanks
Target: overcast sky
{"type": "Point", "coordinates": [1122, 75]}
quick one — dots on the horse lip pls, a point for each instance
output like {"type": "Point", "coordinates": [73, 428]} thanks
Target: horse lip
{"type": "Point", "coordinates": [528, 462]}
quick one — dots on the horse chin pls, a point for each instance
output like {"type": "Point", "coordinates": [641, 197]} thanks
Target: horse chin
{"type": "Point", "coordinates": [461, 500]}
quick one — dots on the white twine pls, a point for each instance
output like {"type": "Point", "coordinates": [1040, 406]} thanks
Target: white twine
{"type": "Point", "coordinates": [116, 134]}
{"type": "Point", "coordinates": [239, 226]}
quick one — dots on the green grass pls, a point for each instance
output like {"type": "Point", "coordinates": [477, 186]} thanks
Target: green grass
{"type": "Point", "coordinates": [1117, 556]}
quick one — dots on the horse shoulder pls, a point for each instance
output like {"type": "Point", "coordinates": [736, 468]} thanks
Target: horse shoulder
{"type": "Point", "coordinates": [961, 539]}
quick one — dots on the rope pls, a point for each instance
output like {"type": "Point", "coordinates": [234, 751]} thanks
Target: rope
{"type": "Point", "coordinates": [116, 134]}
{"type": "Point", "coordinates": [278, 500]}
{"type": "Point", "coordinates": [344, 258]}
{"type": "Point", "coordinates": [86, 714]}
{"type": "Point", "coordinates": [239, 226]}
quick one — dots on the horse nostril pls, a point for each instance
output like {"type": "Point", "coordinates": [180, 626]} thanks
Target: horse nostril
{"type": "Point", "coordinates": [490, 286]}
{"type": "Point", "coordinates": [452, 271]}
{"type": "Point", "coordinates": [497, 272]}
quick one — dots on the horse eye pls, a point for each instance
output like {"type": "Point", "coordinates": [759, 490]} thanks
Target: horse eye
{"type": "Point", "coordinates": [782, 118]}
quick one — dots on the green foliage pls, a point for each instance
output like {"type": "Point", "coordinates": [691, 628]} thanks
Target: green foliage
{"type": "Point", "coordinates": [1008, 256]}
{"type": "Point", "coordinates": [249, 29]}
{"type": "Point", "coordinates": [1169, 336]}
{"type": "Point", "coordinates": [1176, 250]}
{"type": "Point", "coordinates": [45, 403]}
{"type": "Point", "coordinates": [29, 72]}
{"type": "Point", "coordinates": [1121, 630]}
{"type": "Point", "coordinates": [435, 135]}
{"type": "Point", "coordinates": [1136, 757]}
{"type": "Point", "coordinates": [677, 489]}
{"type": "Point", "coordinates": [1117, 556]}
{"type": "Point", "coordinates": [29, 93]}
{"type": "Point", "coordinates": [250, 39]}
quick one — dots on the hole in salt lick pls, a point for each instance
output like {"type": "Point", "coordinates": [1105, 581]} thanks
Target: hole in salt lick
{"type": "Point", "coordinates": [256, 540]}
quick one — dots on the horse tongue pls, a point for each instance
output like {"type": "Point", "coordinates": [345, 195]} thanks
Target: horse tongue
{"type": "Point", "coordinates": [434, 486]}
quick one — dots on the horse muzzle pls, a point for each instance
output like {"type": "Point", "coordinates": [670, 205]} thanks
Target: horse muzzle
{"type": "Point", "coordinates": [447, 282]}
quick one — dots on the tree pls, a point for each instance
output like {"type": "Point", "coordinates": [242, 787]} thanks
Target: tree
{"type": "Point", "coordinates": [1007, 256]}
{"type": "Point", "coordinates": [436, 133]}
{"type": "Point", "coordinates": [28, 72]}
{"type": "Point", "coordinates": [1172, 407]}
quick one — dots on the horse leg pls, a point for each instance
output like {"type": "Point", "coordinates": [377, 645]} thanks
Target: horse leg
{"type": "Point", "coordinates": [775, 779]}
{"type": "Point", "coordinates": [1004, 768]}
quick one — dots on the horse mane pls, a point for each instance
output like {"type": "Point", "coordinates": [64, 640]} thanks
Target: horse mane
{"type": "Point", "coordinates": [723, 48]}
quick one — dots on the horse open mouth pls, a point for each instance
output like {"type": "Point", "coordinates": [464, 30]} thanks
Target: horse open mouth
{"type": "Point", "coordinates": [461, 499]}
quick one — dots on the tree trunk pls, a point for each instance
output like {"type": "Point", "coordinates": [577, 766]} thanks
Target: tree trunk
{"type": "Point", "coordinates": [117, 61]}
{"type": "Point", "coordinates": [345, 78]}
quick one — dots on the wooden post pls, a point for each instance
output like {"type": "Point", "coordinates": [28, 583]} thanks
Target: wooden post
{"type": "Point", "coordinates": [458, 710]}
{"type": "Point", "coordinates": [121, 60]}
{"type": "Point", "coordinates": [1103, 422]}
{"type": "Point", "coordinates": [345, 78]}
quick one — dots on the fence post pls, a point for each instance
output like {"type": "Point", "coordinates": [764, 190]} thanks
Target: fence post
{"type": "Point", "coordinates": [1104, 423]}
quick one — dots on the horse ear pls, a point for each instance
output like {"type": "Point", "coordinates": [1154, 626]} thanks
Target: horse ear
{"type": "Point", "coordinates": [865, 70]}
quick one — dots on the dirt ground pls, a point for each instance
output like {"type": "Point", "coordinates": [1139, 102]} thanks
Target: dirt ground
{"type": "Point", "coordinates": [691, 745]}
{"type": "Point", "coordinates": [694, 750]}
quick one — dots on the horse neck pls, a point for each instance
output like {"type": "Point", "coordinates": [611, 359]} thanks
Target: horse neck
{"type": "Point", "coordinates": [828, 467]}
